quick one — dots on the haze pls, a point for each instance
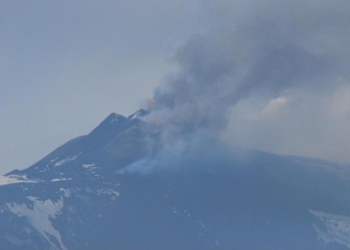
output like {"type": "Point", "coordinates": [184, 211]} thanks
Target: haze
{"type": "Point", "coordinates": [270, 75]}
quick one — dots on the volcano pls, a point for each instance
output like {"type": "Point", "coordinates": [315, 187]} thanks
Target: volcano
{"type": "Point", "coordinates": [122, 187]}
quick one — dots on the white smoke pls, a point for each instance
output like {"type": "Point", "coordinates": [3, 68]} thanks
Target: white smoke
{"type": "Point", "coordinates": [261, 48]}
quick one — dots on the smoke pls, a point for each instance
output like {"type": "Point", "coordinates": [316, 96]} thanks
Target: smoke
{"type": "Point", "coordinates": [253, 49]}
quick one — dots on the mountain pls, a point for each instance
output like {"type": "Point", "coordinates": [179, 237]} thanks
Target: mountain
{"type": "Point", "coordinates": [122, 187]}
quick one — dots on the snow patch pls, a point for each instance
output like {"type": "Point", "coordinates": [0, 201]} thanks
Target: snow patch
{"type": "Point", "coordinates": [114, 194]}
{"type": "Point", "coordinates": [88, 165]}
{"type": "Point", "coordinates": [66, 192]}
{"type": "Point", "coordinates": [68, 159]}
{"type": "Point", "coordinates": [54, 159]}
{"type": "Point", "coordinates": [39, 217]}
{"type": "Point", "coordinates": [13, 179]}
{"type": "Point", "coordinates": [61, 179]}
{"type": "Point", "coordinates": [337, 228]}
{"type": "Point", "coordinates": [32, 198]}
{"type": "Point", "coordinates": [115, 118]}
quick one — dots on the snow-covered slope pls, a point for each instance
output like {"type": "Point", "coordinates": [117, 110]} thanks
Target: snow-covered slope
{"type": "Point", "coordinates": [120, 187]}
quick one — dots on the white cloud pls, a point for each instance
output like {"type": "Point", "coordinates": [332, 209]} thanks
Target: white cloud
{"type": "Point", "coordinates": [274, 106]}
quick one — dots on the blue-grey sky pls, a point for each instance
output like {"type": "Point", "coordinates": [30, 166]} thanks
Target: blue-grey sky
{"type": "Point", "coordinates": [65, 65]}
{"type": "Point", "coordinates": [266, 74]}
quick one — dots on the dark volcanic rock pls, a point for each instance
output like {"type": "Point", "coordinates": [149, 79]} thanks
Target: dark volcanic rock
{"type": "Point", "coordinates": [119, 187]}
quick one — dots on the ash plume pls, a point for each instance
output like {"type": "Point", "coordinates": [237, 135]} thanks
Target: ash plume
{"type": "Point", "coordinates": [252, 48]}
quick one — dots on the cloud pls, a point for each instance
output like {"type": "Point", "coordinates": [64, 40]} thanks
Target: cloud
{"type": "Point", "coordinates": [338, 105]}
{"type": "Point", "coordinates": [257, 51]}
{"type": "Point", "coordinates": [273, 106]}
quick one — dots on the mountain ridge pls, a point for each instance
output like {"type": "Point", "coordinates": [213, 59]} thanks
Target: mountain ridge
{"type": "Point", "coordinates": [121, 187]}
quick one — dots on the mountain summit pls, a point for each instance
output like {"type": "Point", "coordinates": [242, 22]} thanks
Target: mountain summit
{"type": "Point", "coordinates": [122, 187]}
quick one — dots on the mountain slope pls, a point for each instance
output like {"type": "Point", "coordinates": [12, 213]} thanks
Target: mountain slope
{"type": "Point", "coordinates": [120, 187]}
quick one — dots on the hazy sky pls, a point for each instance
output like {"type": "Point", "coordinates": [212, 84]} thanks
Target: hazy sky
{"type": "Point", "coordinates": [65, 65]}
{"type": "Point", "coordinates": [267, 74]}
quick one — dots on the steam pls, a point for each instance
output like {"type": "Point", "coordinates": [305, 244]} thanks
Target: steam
{"type": "Point", "coordinates": [253, 48]}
